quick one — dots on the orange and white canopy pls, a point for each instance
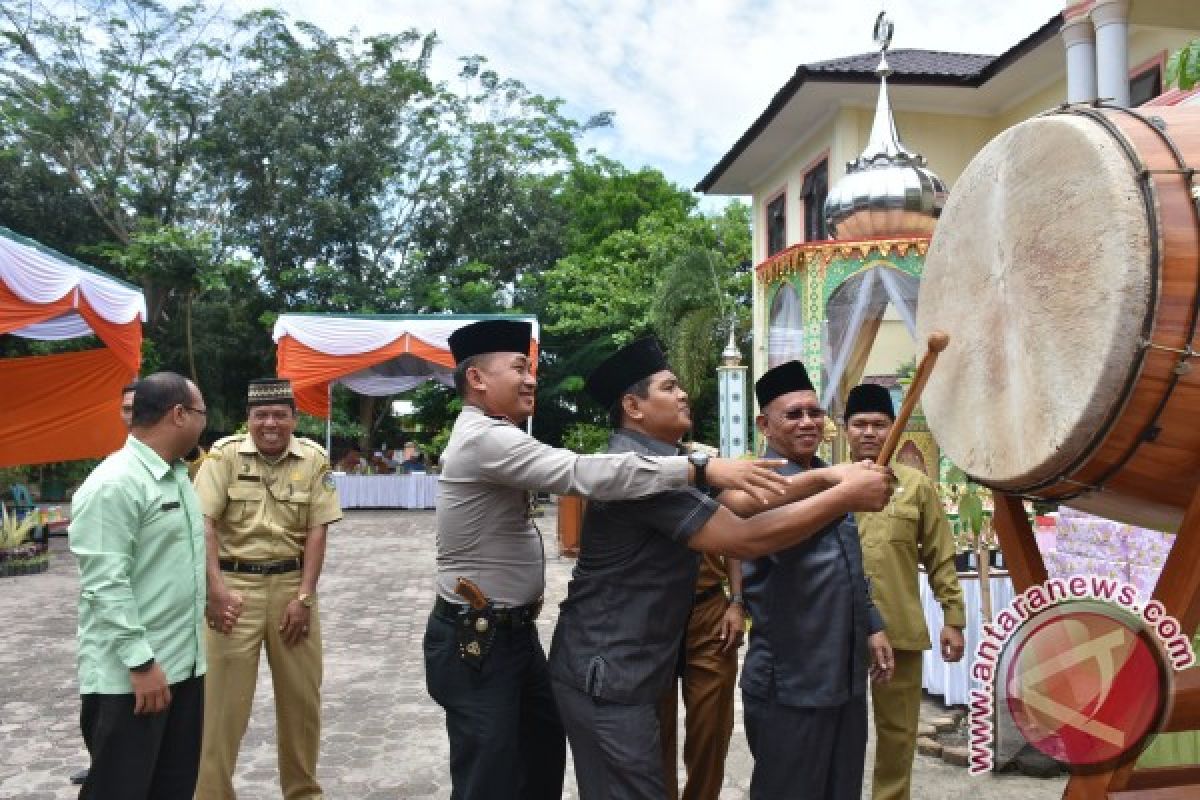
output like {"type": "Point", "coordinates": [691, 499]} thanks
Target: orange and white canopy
{"type": "Point", "coordinates": [375, 355]}
{"type": "Point", "coordinates": [64, 406]}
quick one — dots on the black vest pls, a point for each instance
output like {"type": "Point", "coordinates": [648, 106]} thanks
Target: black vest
{"type": "Point", "coordinates": [621, 625]}
{"type": "Point", "coordinates": [812, 612]}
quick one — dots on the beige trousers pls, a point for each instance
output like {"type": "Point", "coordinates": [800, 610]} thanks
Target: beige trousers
{"type": "Point", "coordinates": [230, 683]}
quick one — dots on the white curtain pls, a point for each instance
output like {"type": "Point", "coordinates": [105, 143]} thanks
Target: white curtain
{"type": "Point", "coordinates": [852, 319]}
{"type": "Point", "coordinates": [40, 276]}
{"type": "Point", "coordinates": [395, 376]}
{"type": "Point", "coordinates": [68, 326]}
{"type": "Point", "coordinates": [346, 335]}
{"type": "Point", "coordinates": [785, 334]}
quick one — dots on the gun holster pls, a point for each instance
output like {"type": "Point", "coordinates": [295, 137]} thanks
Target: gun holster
{"type": "Point", "coordinates": [476, 631]}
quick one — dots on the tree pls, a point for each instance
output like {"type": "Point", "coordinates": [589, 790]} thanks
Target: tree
{"type": "Point", "coordinates": [702, 292]}
{"type": "Point", "coordinates": [327, 148]}
{"type": "Point", "coordinates": [638, 263]}
{"type": "Point", "coordinates": [498, 214]}
{"type": "Point", "coordinates": [1183, 67]}
{"type": "Point", "coordinates": [115, 97]}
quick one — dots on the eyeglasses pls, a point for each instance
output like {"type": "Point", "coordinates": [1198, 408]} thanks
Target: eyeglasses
{"type": "Point", "coordinates": [201, 411]}
{"type": "Point", "coordinates": [797, 414]}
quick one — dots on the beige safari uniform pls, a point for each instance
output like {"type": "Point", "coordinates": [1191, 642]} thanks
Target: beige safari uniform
{"type": "Point", "coordinates": [911, 528]}
{"type": "Point", "coordinates": [263, 513]}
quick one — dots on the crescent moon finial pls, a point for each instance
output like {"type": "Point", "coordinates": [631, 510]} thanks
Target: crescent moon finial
{"type": "Point", "coordinates": [883, 31]}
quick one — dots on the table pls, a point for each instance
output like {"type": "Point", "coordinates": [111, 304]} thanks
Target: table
{"type": "Point", "coordinates": [952, 681]}
{"type": "Point", "coordinates": [415, 490]}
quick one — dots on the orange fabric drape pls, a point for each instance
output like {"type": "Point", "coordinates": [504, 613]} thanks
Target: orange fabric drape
{"type": "Point", "coordinates": [124, 340]}
{"type": "Point", "coordinates": [311, 371]}
{"type": "Point", "coordinates": [61, 407]}
{"type": "Point", "coordinates": [16, 313]}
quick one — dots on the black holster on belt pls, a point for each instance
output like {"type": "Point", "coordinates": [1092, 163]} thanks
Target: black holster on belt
{"type": "Point", "coordinates": [476, 632]}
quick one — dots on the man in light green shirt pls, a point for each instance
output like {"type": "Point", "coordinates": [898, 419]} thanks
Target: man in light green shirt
{"type": "Point", "coordinates": [138, 534]}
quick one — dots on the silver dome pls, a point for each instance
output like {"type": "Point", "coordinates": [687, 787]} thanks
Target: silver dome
{"type": "Point", "coordinates": [887, 191]}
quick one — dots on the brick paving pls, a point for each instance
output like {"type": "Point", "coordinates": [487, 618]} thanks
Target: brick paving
{"type": "Point", "coordinates": [383, 736]}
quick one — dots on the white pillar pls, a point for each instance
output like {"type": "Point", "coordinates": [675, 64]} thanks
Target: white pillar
{"type": "Point", "coordinates": [1111, 18]}
{"type": "Point", "coordinates": [1079, 37]}
{"type": "Point", "coordinates": [731, 400]}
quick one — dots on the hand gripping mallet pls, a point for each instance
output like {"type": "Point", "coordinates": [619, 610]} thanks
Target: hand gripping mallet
{"type": "Point", "coordinates": [936, 344]}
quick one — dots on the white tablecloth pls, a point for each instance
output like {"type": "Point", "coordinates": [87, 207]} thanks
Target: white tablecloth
{"type": "Point", "coordinates": [416, 490]}
{"type": "Point", "coordinates": [952, 681]}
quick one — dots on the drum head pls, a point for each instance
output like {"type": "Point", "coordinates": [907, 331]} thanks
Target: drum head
{"type": "Point", "coordinates": [1039, 271]}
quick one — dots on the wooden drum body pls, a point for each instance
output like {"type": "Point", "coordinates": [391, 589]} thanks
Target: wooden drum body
{"type": "Point", "coordinates": [1066, 269]}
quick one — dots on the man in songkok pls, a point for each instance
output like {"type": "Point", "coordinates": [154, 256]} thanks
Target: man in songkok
{"type": "Point", "coordinates": [815, 631]}
{"type": "Point", "coordinates": [912, 529]}
{"type": "Point", "coordinates": [483, 662]}
{"type": "Point", "coordinates": [622, 625]}
{"type": "Point", "coordinates": [268, 498]}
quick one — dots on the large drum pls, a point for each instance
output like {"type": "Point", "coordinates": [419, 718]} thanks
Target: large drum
{"type": "Point", "coordinates": [1066, 269]}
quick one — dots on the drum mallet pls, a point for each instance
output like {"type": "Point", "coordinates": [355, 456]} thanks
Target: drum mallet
{"type": "Point", "coordinates": [936, 344]}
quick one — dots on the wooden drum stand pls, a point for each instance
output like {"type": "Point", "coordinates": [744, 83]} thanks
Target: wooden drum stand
{"type": "Point", "coordinates": [1178, 589]}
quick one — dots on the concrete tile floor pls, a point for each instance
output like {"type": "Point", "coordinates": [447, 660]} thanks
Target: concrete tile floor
{"type": "Point", "coordinates": [383, 736]}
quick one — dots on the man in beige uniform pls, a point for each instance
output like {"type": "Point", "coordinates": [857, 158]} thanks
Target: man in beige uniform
{"type": "Point", "coordinates": [715, 629]}
{"type": "Point", "coordinates": [267, 498]}
{"type": "Point", "coordinates": [911, 528]}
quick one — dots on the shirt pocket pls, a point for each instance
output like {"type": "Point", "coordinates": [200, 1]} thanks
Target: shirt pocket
{"type": "Point", "coordinates": [902, 526]}
{"type": "Point", "coordinates": [293, 510]}
{"type": "Point", "coordinates": [244, 502]}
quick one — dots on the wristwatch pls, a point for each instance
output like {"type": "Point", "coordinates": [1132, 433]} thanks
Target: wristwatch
{"type": "Point", "coordinates": [699, 462]}
{"type": "Point", "coordinates": [306, 599]}
{"type": "Point", "coordinates": [737, 600]}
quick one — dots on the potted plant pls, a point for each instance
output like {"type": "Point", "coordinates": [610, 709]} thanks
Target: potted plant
{"type": "Point", "coordinates": [17, 556]}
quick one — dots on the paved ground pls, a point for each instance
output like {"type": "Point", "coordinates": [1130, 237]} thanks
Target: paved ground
{"type": "Point", "coordinates": [384, 738]}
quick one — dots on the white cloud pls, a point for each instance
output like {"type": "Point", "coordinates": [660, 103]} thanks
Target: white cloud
{"type": "Point", "coordinates": [685, 77]}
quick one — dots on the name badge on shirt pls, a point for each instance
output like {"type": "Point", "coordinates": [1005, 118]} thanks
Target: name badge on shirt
{"type": "Point", "coordinates": [171, 506]}
{"type": "Point", "coordinates": [254, 478]}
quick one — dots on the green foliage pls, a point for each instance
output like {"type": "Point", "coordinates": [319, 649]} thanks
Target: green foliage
{"type": "Point", "coordinates": [241, 169]}
{"type": "Point", "coordinates": [1183, 67]}
{"type": "Point", "coordinates": [314, 427]}
{"type": "Point", "coordinates": [586, 437]}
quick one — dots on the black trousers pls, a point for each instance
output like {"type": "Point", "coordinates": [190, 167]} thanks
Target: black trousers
{"type": "Point", "coordinates": [616, 747]}
{"type": "Point", "coordinates": [506, 740]}
{"type": "Point", "coordinates": [806, 753]}
{"type": "Point", "coordinates": [143, 756]}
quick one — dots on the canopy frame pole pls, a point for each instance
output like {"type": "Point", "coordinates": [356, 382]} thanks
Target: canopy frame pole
{"type": "Point", "coordinates": [329, 423]}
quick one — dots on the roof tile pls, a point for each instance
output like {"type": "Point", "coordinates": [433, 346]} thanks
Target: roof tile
{"type": "Point", "coordinates": [908, 62]}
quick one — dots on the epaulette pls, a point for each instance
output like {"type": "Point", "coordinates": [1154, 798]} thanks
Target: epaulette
{"type": "Point", "coordinates": [311, 445]}
{"type": "Point", "coordinates": [219, 443]}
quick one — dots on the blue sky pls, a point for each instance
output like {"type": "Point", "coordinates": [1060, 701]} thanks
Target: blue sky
{"type": "Point", "coordinates": [685, 77]}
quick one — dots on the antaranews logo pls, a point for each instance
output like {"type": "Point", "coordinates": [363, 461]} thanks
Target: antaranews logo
{"type": "Point", "coordinates": [1084, 668]}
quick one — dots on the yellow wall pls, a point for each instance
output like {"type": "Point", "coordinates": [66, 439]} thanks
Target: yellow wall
{"type": "Point", "coordinates": [790, 173]}
{"type": "Point", "coordinates": [893, 347]}
{"type": "Point", "coordinates": [1048, 98]}
{"type": "Point", "coordinates": [1146, 43]}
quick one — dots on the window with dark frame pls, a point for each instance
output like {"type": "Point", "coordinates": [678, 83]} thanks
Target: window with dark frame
{"type": "Point", "coordinates": [777, 224]}
{"type": "Point", "coordinates": [813, 192]}
{"type": "Point", "coordinates": [1145, 86]}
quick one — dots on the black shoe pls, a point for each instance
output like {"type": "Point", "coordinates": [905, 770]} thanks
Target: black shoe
{"type": "Point", "coordinates": [78, 778]}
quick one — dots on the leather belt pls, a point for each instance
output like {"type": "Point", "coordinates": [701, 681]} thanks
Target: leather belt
{"type": "Point", "coordinates": [709, 593]}
{"type": "Point", "coordinates": [261, 567]}
{"type": "Point", "coordinates": [516, 617]}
